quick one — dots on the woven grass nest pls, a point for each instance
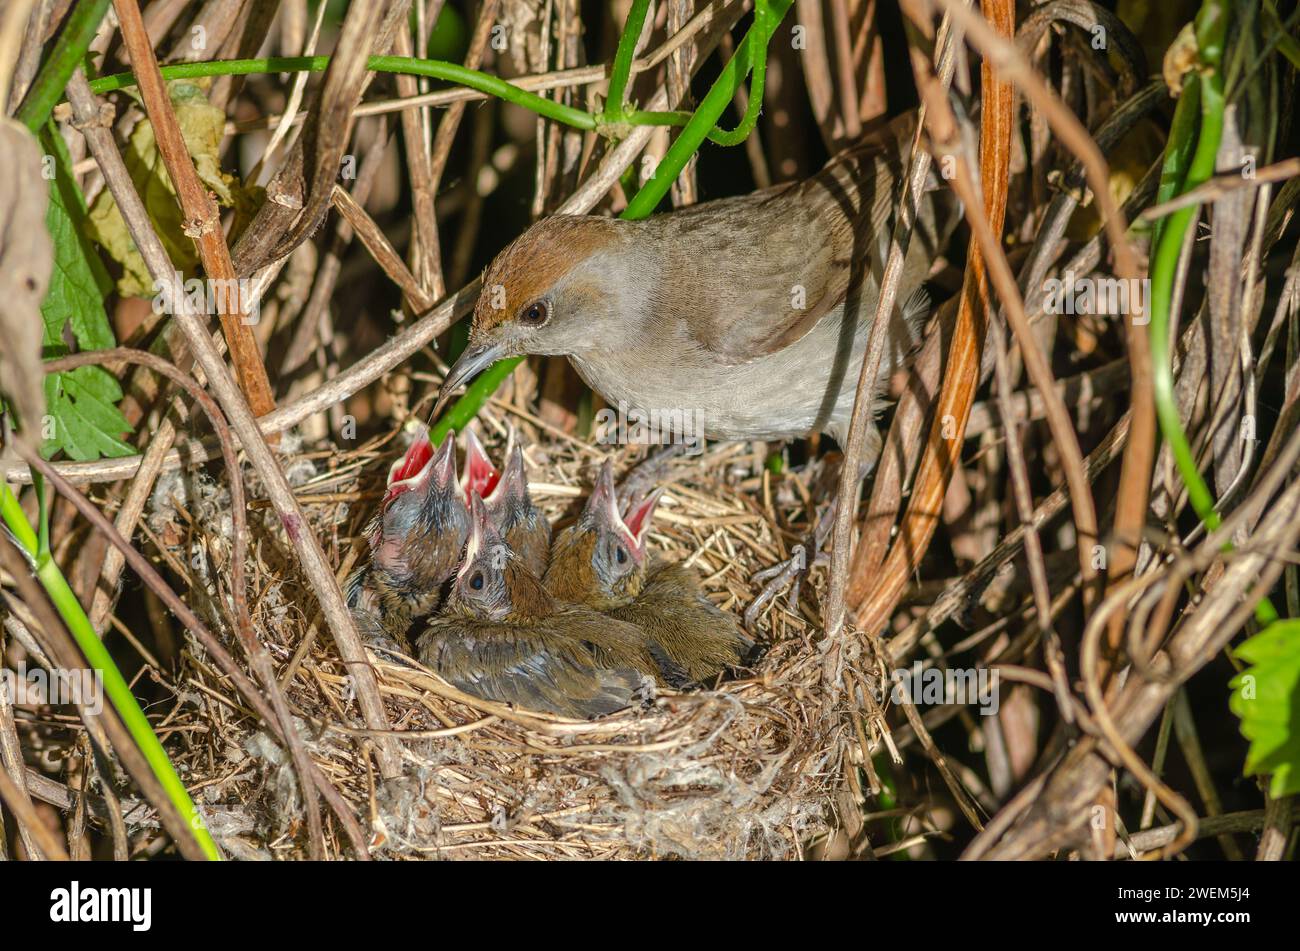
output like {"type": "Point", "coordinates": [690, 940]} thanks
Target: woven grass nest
{"type": "Point", "coordinates": [745, 769]}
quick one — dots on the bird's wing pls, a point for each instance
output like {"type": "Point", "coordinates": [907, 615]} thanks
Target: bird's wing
{"type": "Point", "coordinates": [616, 643]}
{"type": "Point", "coordinates": [792, 252]}
{"type": "Point", "coordinates": [668, 577]}
{"type": "Point", "coordinates": [700, 637]}
{"type": "Point", "coordinates": [524, 671]}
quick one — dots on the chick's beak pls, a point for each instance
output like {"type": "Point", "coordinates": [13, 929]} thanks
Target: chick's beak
{"type": "Point", "coordinates": [602, 506]}
{"type": "Point", "coordinates": [443, 506]}
{"type": "Point", "coordinates": [444, 463]}
{"type": "Point", "coordinates": [471, 363]}
{"type": "Point", "coordinates": [480, 475]}
{"type": "Point", "coordinates": [477, 530]}
{"type": "Point", "coordinates": [638, 518]}
{"type": "Point", "coordinates": [512, 484]}
{"type": "Point", "coordinates": [412, 470]}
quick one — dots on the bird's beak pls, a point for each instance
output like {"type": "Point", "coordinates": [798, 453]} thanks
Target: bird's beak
{"type": "Point", "coordinates": [512, 485]}
{"type": "Point", "coordinates": [638, 517]}
{"type": "Point", "coordinates": [412, 470]}
{"type": "Point", "coordinates": [471, 363]}
{"type": "Point", "coordinates": [480, 475]}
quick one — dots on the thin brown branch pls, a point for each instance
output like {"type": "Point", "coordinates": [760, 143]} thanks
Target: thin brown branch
{"type": "Point", "coordinates": [202, 219]}
{"type": "Point", "coordinates": [191, 621]}
{"type": "Point", "coordinates": [426, 246]}
{"type": "Point", "coordinates": [29, 821]}
{"type": "Point", "coordinates": [376, 242]}
{"type": "Point", "coordinates": [1222, 185]}
{"type": "Point", "coordinates": [382, 359]}
{"type": "Point", "coordinates": [847, 491]}
{"type": "Point", "coordinates": [58, 644]}
{"type": "Point", "coordinates": [238, 557]}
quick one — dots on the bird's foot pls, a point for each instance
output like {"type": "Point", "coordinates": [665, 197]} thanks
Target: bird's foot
{"type": "Point", "coordinates": [790, 573]}
{"type": "Point", "coordinates": [782, 575]}
{"type": "Point", "coordinates": [378, 637]}
{"type": "Point", "coordinates": [644, 694]}
{"type": "Point", "coordinates": [389, 645]}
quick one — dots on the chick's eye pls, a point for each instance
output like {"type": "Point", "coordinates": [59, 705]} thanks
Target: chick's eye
{"type": "Point", "coordinates": [476, 581]}
{"type": "Point", "coordinates": [534, 313]}
{"type": "Point", "coordinates": [620, 554]}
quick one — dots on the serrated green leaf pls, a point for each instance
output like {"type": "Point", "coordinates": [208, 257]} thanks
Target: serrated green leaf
{"type": "Point", "coordinates": [1266, 698]}
{"type": "Point", "coordinates": [99, 412]}
{"type": "Point", "coordinates": [87, 423]}
{"type": "Point", "coordinates": [79, 283]}
{"type": "Point", "coordinates": [98, 383]}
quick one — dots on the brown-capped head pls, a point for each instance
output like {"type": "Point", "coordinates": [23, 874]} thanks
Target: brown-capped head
{"type": "Point", "coordinates": [557, 289]}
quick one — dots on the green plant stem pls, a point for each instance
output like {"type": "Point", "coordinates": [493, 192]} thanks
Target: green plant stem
{"type": "Point", "coordinates": [1178, 150]}
{"type": "Point", "coordinates": [454, 73]}
{"type": "Point", "coordinates": [472, 400]}
{"type": "Point", "coordinates": [47, 89]}
{"type": "Point", "coordinates": [1211, 29]}
{"type": "Point", "coordinates": [764, 26]}
{"type": "Point", "coordinates": [97, 655]}
{"type": "Point", "coordinates": [751, 50]}
{"type": "Point", "coordinates": [16, 519]}
{"type": "Point", "coordinates": [762, 30]}
{"type": "Point", "coordinates": [432, 68]}
{"type": "Point", "coordinates": [43, 524]}
{"type": "Point", "coordinates": [615, 106]}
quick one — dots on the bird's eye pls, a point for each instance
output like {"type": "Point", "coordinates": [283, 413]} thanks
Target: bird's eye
{"type": "Point", "coordinates": [476, 581]}
{"type": "Point", "coordinates": [534, 313]}
{"type": "Point", "coordinates": [620, 554]}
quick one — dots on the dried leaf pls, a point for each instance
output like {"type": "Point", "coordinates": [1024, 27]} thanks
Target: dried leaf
{"type": "Point", "coordinates": [26, 257]}
{"type": "Point", "coordinates": [202, 125]}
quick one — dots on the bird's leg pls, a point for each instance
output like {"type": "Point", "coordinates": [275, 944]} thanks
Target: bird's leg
{"type": "Point", "coordinates": [789, 573]}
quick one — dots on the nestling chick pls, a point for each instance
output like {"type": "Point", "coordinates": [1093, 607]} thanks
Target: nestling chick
{"type": "Point", "coordinates": [502, 637]}
{"type": "Point", "coordinates": [751, 311]}
{"type": "Point", "coordinates": [601, 561]}
{"type": "Point", "coordinates": [511, 511]}
{"type": "Point", "coordinates": [415, 544]}
{"type": "Point", "coordinates": [509, 506]}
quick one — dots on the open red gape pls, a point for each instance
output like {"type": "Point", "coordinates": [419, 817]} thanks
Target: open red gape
{"type": "Point", "coordinates": [638, 516]}
{"type": "Point", "coordinates": [480, 475]}
{"type": "Point", "coordinates": [406, 472]}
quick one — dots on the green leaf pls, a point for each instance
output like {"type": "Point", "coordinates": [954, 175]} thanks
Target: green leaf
{"type": "Point", "coordinates": [1266, 698]}
{"type": "Point", "coordinates": [1286, 45]}
{"type": "Point", "coordinates": [86, 423]}
{"type": "Point", "coordinates": [79, 283]}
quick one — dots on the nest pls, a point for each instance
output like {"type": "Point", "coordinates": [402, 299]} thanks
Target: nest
{"type": "Point", "coordinates": [745, 769]}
